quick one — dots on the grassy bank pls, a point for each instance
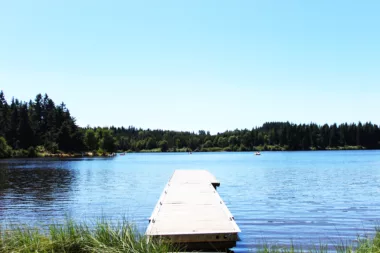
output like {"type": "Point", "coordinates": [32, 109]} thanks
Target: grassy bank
{"type": "Point", "coordinates": [103, 236]}
{"type": "Point", "coordinates": [363, 245]}
{"type": "Point", "coordinates": [108, 237]}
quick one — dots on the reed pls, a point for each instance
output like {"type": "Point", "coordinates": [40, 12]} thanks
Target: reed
{"type": "Point", "coordinates": [363, 245]}
{"type": "Point", "coordinates": [102, 236]}
{"type": "Point", "coordinates": [120, 237]}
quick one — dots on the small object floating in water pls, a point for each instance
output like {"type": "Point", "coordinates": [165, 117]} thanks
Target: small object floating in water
{"type": "Point", "coordinates": [257, 153]}
{"type": "Point", "coordinates": [122, 154]}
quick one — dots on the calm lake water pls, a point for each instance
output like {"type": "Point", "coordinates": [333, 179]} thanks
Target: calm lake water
{"type": "Point", "coordinates": [278, 197]}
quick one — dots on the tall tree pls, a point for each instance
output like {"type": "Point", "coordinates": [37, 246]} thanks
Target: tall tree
{"type": "Point", "coordinates": [12, 137]}
{"type": "Point", "coordinates": [90, 140]}
{"type": "Point", "coordinates": [4, 115]}
{"type": "Point", "coordinates": [108, 142]}
{"type": "Point", "coordinates": [25, 132]}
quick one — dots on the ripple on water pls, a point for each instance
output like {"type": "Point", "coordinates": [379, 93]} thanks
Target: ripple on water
{"type": "Point", "coordinates": [279, 197]}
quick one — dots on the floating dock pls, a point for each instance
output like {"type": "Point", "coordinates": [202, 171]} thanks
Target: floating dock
{"type": "Point", "coordinates": [190, 213]}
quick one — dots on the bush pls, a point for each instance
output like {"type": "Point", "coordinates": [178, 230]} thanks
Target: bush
{"type": "Point", "coordinates": [20, 153]}
{"type": "Point", "coordinates": [32, 152]}
{"type": "Point", "coordinates": [242, 148]}
{"type": "Point", "coordinates": [5, 150]}
{"type": "Point", "coordinates": [164, 146]}
{"type": "Point", "coordinates": [182, 150]}
{"type": "Point", "coordinates": [40, 149]}
{"type": "Point", "coordinates": [52, 147]}
{"type": "Point", "coordinates": [228, 149]}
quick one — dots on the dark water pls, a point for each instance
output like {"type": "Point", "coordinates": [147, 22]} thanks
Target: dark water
{"type": "Point", "coordinates": [278, 197]}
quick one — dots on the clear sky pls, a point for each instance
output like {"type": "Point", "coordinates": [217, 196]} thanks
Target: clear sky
{"type": "Point", "coordinates": [190, 65]}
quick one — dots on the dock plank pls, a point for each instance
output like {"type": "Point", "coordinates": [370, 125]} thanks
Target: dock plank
{"type": "Point", "coordinates": [190, 209]}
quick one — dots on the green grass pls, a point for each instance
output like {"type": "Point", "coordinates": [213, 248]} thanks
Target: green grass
{"type": "Point", "coordinates": [363, 245]}
{"type": "Point", "coordinates": [103, 236]}
{"type": "Point", "coordinates": [109, 237]}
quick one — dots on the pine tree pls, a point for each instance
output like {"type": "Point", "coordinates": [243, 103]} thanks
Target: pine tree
{"type": "Point", "coordinates": [24, 129]}
{"type": "Point", "coordinates": [4, 115]}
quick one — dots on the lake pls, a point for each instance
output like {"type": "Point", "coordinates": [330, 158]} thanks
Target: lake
{"type": "Point", "coordinates": [278, 197]}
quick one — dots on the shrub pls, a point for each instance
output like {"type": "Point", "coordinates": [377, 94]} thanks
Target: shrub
{"type": "Point", "coordinates": [52, 147]}
{"type": "Point", "coordinates": [40, 149]}
{"type": "Point", "coordinates": [20, 153]}
{"type": "Point", "coordinates": [32, 152]}
{"type": "Point", "coordinates": [5, 150]}
{"type": "Point", "coordinates": [227, 149]}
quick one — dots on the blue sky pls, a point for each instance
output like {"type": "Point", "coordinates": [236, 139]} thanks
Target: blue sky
{"type": "Point", "coordinates": [190, 65]}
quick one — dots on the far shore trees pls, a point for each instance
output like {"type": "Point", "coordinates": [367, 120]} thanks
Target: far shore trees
{"type": "Point", "coordinates": [44, 126]}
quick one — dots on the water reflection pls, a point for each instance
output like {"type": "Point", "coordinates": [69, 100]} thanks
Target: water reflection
{"type": "Point", "coordinates": [42, 184]}
{"type": "Point", "coordinates": [33, 188]}
{"type": "Point", "coordinates": [3, 178]}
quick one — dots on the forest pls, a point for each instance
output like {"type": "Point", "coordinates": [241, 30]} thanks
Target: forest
{"type": "Point", "coordinates": [40, 127]}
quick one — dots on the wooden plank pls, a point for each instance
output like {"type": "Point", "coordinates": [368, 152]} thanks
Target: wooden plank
{"type": "Point", "coordinates": [191, 210]}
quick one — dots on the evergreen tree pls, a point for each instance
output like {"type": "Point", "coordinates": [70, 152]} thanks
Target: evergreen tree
{"type": "Point", "coordinates": [4, 115]}
{"type": "Point", "coordinates": [25, 132]}
{"type": "Point", "coordinates": [42, 122]}
{"type": "Point", "coordinates": [12, 136]}
{"type": "Point", "coordinates": [64, 137]}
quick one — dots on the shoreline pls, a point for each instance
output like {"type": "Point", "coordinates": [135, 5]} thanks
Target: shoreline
{"type": "Point", "coordinates": [22, 154]}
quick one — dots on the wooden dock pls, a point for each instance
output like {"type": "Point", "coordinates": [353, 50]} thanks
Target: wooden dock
{"type": "Point", "coordinates": [191, 213]}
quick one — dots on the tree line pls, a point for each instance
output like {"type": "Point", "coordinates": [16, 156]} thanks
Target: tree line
{"type": "Point", "coordinates": [40, 125]}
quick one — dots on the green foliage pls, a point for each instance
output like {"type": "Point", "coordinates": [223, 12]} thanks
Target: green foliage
{"type": "Point", "coordinates": [154, 150]}
{"type": "Point", "coordinates": [40, 149]}
{"type": "Point", "coordinates": [212, 149]}
{"type": "Point", "coordinates": [103, 236]}
{"type": "Point", "coordinates": [24, 130]}
{"type": "Point", "coordinates": [38, 123]}
{"type": "Point", "coordinates": [118, 237]}
{"type": "Point", "coordinates": [32, 152]}
{"type": "Point", "coordinates": [363, 245]}
{"type": "Point", "coordinates": [43, 123]}
{"type": "Point", "coordinates": [20, 153]}
{"type": "Point", "coordinates": [275, 136]}
{"type": "Point", "coordinates": [90, 140]}
{"type": "Point", "coordinates": [150, 143]}
{"type": "Point", "coordinates": [208, 144]}
{"type": "Point", "coordinates": [164, 146]}
{"type": "Point", "coordinates": [222, 142]}
{"type": "Point", "coordinates": [227, 149]}
{"type": "Point", "coordinates": [107, 142]}
{"type": "Point", "coordinates": [369, 244]}
{"type": "Point", "coordinates": [51, 147]}
{"type": "Point", "coordinates": [5, 150]}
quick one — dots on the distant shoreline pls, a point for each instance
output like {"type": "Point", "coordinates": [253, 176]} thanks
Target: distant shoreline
{"type": "Point", "coordinates": [21, 154]}
{"type": "Point", "coordinates": [255, 149]}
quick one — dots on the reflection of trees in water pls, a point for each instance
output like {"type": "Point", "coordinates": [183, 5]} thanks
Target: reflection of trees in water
{"type": "Point", "coordinates": [3, 178]}
{"type": "Point", "coordinates": [36, 184]}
